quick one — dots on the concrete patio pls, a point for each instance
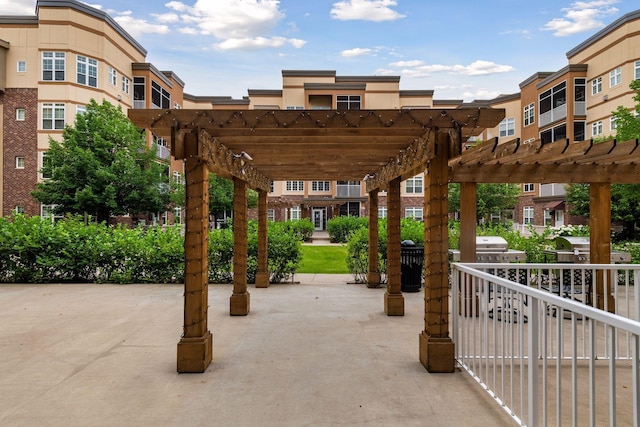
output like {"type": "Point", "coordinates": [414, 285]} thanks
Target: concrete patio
{"type": "Point", "coordinates": [315, 353]}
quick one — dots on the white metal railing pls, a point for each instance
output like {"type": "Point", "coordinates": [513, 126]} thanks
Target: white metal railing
{"type": "Point", "coordinates": [579, 108]}
{"type": "Point", "coordinates": [560, 112]}
{"type": "Point", "coordinates": [586, 358]}
{"type": "Point", "coordinates": [344, 190]}
{"type": "Point", "coordinates": [139, 104]}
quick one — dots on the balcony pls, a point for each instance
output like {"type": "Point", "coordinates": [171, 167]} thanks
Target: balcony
{"type": "Point", "coordinates": [348, 190]}
{"type": "Point", "coordinates": [558, 113]}
{"type": "Point", "coordinates": [163, 152]}
{"type": "Point", "coordinates": [140, 104]}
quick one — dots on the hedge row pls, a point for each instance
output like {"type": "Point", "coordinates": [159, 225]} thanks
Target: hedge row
{"type": "Point", "coordinates": [33, 250]}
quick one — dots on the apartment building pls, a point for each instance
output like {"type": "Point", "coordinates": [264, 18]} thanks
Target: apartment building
{"type": "Point", "coordinates": [51, 65]}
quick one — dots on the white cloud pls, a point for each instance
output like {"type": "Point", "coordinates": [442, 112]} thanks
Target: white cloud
{"type": "Point", "coordinates": [136, 27]}
{"type": "Point", "coordinates": [476, 68]}
{"type": "Point", "coordinates": [257, 43]}
{"type": "Point", "coordinates": [18, 7]}
{"type": "Point", "coordinates": [169, 18]}
{"type": "Point", "coordinates": [480, 94]}
{"type": "Point", "coordinates": [401, 64]}
{"type": "Point", "coordinates": [366, 10]}
{"type": "Point", "coordinates": [350, 53]}
{"type": "Point", "coordinates": [581, 16]}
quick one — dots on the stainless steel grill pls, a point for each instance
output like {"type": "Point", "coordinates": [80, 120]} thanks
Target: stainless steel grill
{"type": "Point", "coordinates": [492, 249]}
{"type": "Point", "coordinates": [576, 250]}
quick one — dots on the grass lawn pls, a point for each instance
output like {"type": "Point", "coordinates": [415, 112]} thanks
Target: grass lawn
{"type": "Point", "coordinates": [323, 260]}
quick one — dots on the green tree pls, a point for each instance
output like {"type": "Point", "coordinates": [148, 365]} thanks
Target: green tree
{"type": "Point", "coordinates": [103, 167]}
{"type": "Point", "coordinates": [221, 195]}
{"type": "Point", "coordinates": [628, 123]}
{"type": "Point", "coordinates": [491, 198]}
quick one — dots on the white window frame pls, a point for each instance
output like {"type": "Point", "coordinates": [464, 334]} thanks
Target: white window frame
{"type": "Point", "coordinates": [415, 213]}
{"type": "Point", "coordinates": [19, 162]}
{"type": "Point", "coordinates": [382, 211]}
{"type": "Point", "coordinates": [529, 114]}
{"type": "Point", "coordinates": [126, 85]}
{"type": "Point", "coordinates": [113, 76]}
{"type": "Point", "coordinates": [528, 215]}
{"type": "Point", "coordinates": [507, 127]}
{"type": "Point", "coordinates": [81, 109]}
{"type": "Point", "coordinates": [636, 70]}
{"type": "Point", "coordinates": [21, 66]}
{"type": "Point", "coordinates": [177, 215]}
{"type": "Point", "coordinates": [271, 215]}
{"type": "Point", "coordinates": [54, 113]}
{"type": "Point", "coordinates": [596, 128]}
{"type": "Point", "coordinates": [297, 186]}
{"type": "Point", "coordinates": [295, 213]}
{"type": "Point", "coordinates": [86, 71]}
{"type": "Point", "coordinates": [54, 62]}
{"type": "Point", "coordinates": [615, 77]}
{"type": "Point", "coordinates": [414, 185]}
{"type": "Point", "coordinates": [19, 209]}
{"type": "Point", "coordinates": [21, 114]}
{"type": "Point", "coordinates": [613, 123]}
{"type": "Point", "coordinates": [46, 212]}
{"type": "Point", "coordinates": [529, 187]}
{"type": "Point", "coordinates": [321, 186]}
{"type": "Point", "coordinates": [596, 86]}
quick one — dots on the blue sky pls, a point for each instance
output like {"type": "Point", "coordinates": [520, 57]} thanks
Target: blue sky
{"type": "Point", "coordinates": [461, 49]}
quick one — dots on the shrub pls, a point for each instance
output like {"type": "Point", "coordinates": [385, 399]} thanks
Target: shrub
{"type": "Point", "coordinates": [341, 228]}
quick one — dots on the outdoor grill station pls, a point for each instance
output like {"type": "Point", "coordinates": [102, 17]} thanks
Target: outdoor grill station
{"type": "Point", "coordinates": [491, 249]}
{"type": "Point", "coordinates": [576, 250]}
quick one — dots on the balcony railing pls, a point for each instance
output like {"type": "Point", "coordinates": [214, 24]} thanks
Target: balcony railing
{"type": "Point", "coordinates": [580, 108]}
{"type": "Point", "coordinates": [585, 360]}
{"type": "Point", "coordinates": [140, 104]}
{"type": "Point", "coordinates": [551, 116]}
{"type": "Point", "coordinates": [348, 190]}
{"type": "Point", "coordinates": [163, 152]}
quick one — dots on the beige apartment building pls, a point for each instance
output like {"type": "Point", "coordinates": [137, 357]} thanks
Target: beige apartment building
{"type": "Point", "coordinates": [54, 62]}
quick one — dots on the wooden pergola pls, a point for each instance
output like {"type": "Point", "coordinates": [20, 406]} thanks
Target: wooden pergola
{"type": "Point", "coordinates": [381, 148]}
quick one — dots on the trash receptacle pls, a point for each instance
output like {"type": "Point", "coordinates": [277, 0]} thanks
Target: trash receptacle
{"type": "Point", "coordinates": [411, 260]}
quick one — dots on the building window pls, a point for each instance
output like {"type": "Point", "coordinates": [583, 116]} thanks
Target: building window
{"type": "Point", "coordinates": [22, 66]}
{"type": "Point", "coordinates": [52, 116]}
{"type": "Point", "coordinates": [113, 76]}
{"type": "Point", "coordinates": [613, 124]}
{"type": "Point", "coordinates": [294, 212]}
{"type": "Point", "coordinates": [415, 213]}
{"type": "Point", "coordinates": [579, 131]}
{"type": "Point", "coordinates": [45, 162]}
{"type": "Point", "coordinates": [414, 185]}
{"type": "Point", "coordinates": [139, 91]}
{"type": "Point", "coordinates": [615, 77]}
{"type": "Point", "coordinates": [295, 185]}
{"type": "Point", "coordinates": [160, 98]}
{"type": "Point", "coordinates": [554, 134]}
{"type": "Point", "coordinates": [177, 215]}
{"type": "Point", "coordinates": [547, 217]}
{"type": "Point", "coordinates": [529, 114]}
{"type": "Point", "coordinates": [528, 187]}
{"type": "Point", "coordinates": [596, 128]}
{"type": "Point", "coordinates": [19, 209]}
{"type": "Point", "coordinates": [48, 212]}
{"type": "Point", "coordinates": [636, 70]}
{"type": "Point", "coordinates": [527, 214]}
{"type": "Point", "coordinates": [508, 127]}
{"type": "Point", "coordinates": [20, 114]}
{"type": "Point", "coordinates": [86, 71]}
{"type": "Point", "coordinates": [19, 162]}
{"type": "Point", "coordinates": [348, 102]}
{"type": "Point", "coordinates": [596, 86]}
{"type": "Point", "coordinates": [320, 186]}
{"type": "Point", "coordinates": [126, 83]}
{"type": "Point", "coordinates": [271, 215]}
{"type": "Point", "coordinates": [382, 211]}
{"type": "Point", "coordinates": [81, 109]}
{"type": "Point", "coordinates": [178, 178]}
{"type": "Point", "coordinates": [271, 187]}
{"type": "Point", "coordinates": [53, 66]}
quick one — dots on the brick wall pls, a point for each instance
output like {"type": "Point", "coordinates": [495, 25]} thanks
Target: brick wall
{"type": "Point", "coordinates": [20, 140]}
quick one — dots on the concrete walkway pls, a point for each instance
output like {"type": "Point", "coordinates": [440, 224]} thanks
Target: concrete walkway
{"type": "Point", "coordinates": [318, 353]}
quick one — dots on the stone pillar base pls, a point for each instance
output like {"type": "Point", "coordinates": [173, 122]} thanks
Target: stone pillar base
{"type": "Point", "coordinates": [194, 354]}
{"type": "Point", "coordinates": [262, 280]}
{"type": "Point", "coordinates": [393, 304]}
{"type": "Point", "coordinates": [373, 280]}
{"type": "Point", "coordinates": [437, 355]}
{"type": "Point", "coordinates": [239, 304]}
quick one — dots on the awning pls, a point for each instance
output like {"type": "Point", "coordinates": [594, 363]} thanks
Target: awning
{"type": "Point", "coordinates": [554, 205]}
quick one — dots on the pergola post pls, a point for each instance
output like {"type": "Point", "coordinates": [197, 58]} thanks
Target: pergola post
{"type": "Point", "coordinates": [195, 346]}
{"type": "Point", "coordinates": [600, 242]}
{"type": "Point", "coordinates": [262, 276]}
{"type": "Point", "coordinates": [239, 304]}
{"type": "Point", "coordinates": [393, 299]}
{"type": "Point", "coordinates": [436, 347]}
{"type": "Point", "coordinates": [468, 221]}
{"type": "Point", "coordinates": [373, 273]}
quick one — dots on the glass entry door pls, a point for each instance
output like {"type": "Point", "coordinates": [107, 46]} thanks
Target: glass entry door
{"type": "Point", "coordinates": [319, 215]}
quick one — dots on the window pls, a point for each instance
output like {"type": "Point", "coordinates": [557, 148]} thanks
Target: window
{"type": "Point", "coordinates": [87, 71]}
{"type": "Point", "coordinates": [48, 212]}
{"type": "Point", "coordinates": [53, 66]}
{"type": "Point", "coordinates": [596, 86]}
{"type": "Point", "coordinates": [596, 128]}
{"type": "Point", "coordinates": [45, 162]}
{"type": "Point", "coordinates": [508, 127]}
{"type": "Point", "coordinates": [295, 185]}
{"type": "Point", "coordinates": [22, 66]}
{"type": "Point", "coordinates": [19, 209]}
{"type": "Point", "coordinates": [414, 185]}
{"type": "Point", "coordinates": [52, 116]}
{"type": "Point", "coordinates": [20, 114]}
{"type": "Point", "coordinates": [528, 187]}
{"type": "Point", "coordinates": [160, 98]}
{"type": "Point", "coordinates": [177, 215]}
{"type": "Point", "coordinates": [615, 77]}
{"type": "Point", "coordinates": [547, 217]}
{"type": "Point", "coordinates": [579, 131]}
{"type": "Point", "coordinates": [552, 99]}
{"type": "Point", "coordinates": [554, 134]}
{"type": "Point", "coordinates": [81, 109]}
{"type": "Point", "coordinates": [320, 186]}
{"type": "Point", "coordinates": [293, 107]}
{"type": "Point", "coordinates": [177, 178]}
{"type": "Point", "coordinates": [636, 70]}
{"type": "Point", "coordinates": [527, 214]}
{"type": "Point", "coordinates": [294, 212]}
{"type": "Point", "coordinates": [19, 162]}
{"type": "Point", "coordinates": [113, 76]}
{"type": "Point", "coordinates": [139, 91]}
{"type": "Point", "coordinates": [271, 187]}
{"type": "Point", "coordinates": [382, 211]}
{"type": "Point", "coordinates": [613, 124]}
{"type": "Point", "coordinates": [529, 114]}
{"type": "Point", "coordinates": [125, 84]}
{"type": "Point", "coordinates": [271, 215]}
{"type": "Point", "coordinates": [415, 213]}
{"type": "Point", "coordinates": [348, 102]}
